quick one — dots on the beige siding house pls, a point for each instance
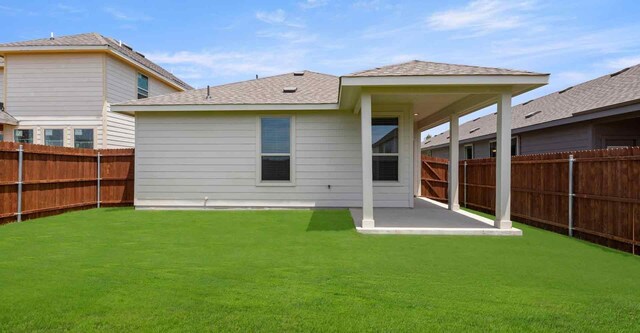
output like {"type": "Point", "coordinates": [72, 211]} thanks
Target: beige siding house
{"type": "Point", "coordinates": [306, 139]}
{"type": "Point", "coordinates": [58, 91]}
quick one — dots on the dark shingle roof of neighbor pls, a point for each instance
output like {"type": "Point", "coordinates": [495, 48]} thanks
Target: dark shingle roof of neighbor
{"type": "Point", "coordinates": [603, 92]}
{"type": "Point", "coordinates": [96, 39]}
{"type": "Point", "coordinates": [310, 87]}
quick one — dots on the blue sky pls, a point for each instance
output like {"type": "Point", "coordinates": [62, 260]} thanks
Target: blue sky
{"type": "Point", "coordinates": [214, 42]}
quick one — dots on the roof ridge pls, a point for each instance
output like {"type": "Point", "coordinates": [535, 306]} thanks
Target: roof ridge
{"type": "Point", "coordinates": [441, 63]}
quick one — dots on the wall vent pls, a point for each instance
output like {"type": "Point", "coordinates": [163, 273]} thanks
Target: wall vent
{"type": "Point", "coordinates": [527, 102]}
{"type": "Point", "coordinates": [474, 130]}
{"type": "Point", "coordinates": [289, 89]}
{"type": "Point", "coordinates": [564, 90]}
{"type": "Point", "coordinates": [619, 72]}
{"type": "Point", "coordinates": [298, 73]}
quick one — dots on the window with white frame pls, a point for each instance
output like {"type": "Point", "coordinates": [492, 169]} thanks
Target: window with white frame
{"type": "Point", "coordinates": [83, 138]}
{"type": "Point", "coordinates": [468, 152]}
{"type": "Point", "coordinates": [275, 149]}
{"type": "Point", "coordinates": [23, 135]}
{"type": "Point", "coordinates": [385, 144]}
{"type": "Point", "coordinates": [54, 137]}
{"type": "Point", "coordinates": [143, 86]}
{"type": "Point", "coordinates": [515, 147]}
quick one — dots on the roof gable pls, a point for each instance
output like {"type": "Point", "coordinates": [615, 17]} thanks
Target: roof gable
{"type": "Point", "coordinates": [426, 68]}
{"type": "Point", "coordinates": [96, 39]}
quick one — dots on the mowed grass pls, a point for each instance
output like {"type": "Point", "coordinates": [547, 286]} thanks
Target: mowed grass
{"type": "Point", "coordinates": [124, 270]}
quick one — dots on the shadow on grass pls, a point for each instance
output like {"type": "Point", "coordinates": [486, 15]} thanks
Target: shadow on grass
{"type": "Point", "coordinates": [326, 220]}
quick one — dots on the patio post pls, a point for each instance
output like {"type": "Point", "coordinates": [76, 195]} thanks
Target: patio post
{"type": "Point", "coordinates": [503, 162]}
{"type": "Point", "coordinates": [367, 162]}
{"type": "Point", "coordinates": [454, 156]}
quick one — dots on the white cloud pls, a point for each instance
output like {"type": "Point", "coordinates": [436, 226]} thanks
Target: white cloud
{"type": "Point", "coordinates": [200, 67]}
{"type": "Point", "coordinates": [278, 17]}
{"type": "Point", "coordinates": [67, 9]}
{"type": "Point", "coordinates": [308, 4]}
{"type": "Point", "coordinates": [126, 16]}
{"type": "Point", "coordinates": [483, 16]}
{"type": "Point", "coordinates": [624, 62]}
{"type": "Point", "coordinates": [289, 36]}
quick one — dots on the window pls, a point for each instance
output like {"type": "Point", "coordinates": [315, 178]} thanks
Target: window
{"type": "Point", "coordinates": [23, 135]}
{"type": "Point", "coordinates": [143, 86]}
{"type": "Point", "coordinates": [54, 137]}
{"type": "Point", "coordinates": [83, 138]}
{"type": "Point", "coordinates": [275, 146]}
{"type": "Point", "coordinates": [618, 143]}
{"type": "Point", "coordinates": [515, 147]}
{"type": "Point", "coordinates": [384, 133]}
{"type": "Point", "coordinates": [468, 152]}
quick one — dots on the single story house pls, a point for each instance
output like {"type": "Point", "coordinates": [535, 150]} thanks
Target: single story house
{"type": "Point", "coordinates": [298, 139]}
{"type": "Point", "coordinates": [597, 114]}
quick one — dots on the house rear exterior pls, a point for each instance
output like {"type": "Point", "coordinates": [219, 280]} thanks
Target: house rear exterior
{"type": "Point", "coordinates": [58, 91]}
{"type": "Point", "coordinates": [307, 139]}
{"type": "Point", "coordinates": [597, 114]}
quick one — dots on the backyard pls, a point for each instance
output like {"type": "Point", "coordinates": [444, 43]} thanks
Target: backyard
{"type": "Point", "coordinates": [115, 269]}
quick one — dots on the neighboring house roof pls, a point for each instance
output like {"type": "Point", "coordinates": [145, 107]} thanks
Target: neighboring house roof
{"type": "Point", "coordinates": [6, 118]}
{"type": "Point", "coordinates": [96, 39]}
{"type": "Point", "coordinates": [310, 88]}
{"type": "Point", "coordinates": [607, 91]}
{"type": "Point", "coordinates": [420, 68]}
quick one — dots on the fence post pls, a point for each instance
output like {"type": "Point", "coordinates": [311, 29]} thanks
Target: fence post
{"type": "Point", "coordinates": [98, 178]}
{"type": "Point", "coordinates": [20, 162]}
{"type": "Point", "coordinates": [464, 172]}
{"type": "Point", "coordinates": [571, 195]}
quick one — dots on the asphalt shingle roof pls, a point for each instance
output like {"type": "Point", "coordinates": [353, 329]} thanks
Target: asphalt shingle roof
{"type": "Point", "coordinates": [311, 88]}
{"type": "Point", "coordinates": [418, 68]}
{"type": "Point", "coordinates": [96, 39]}
{"type": "Point", "coordinates": [603, 92]}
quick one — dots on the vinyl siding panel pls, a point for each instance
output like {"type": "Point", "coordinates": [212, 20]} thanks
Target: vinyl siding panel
{"type": "Point", "coordinates": [122, 85]}
{"type": "Point", "coordinates": [181, 158]}
{"type": "Point", "coordinates": [1, 85]}
{"type": "Point", "coordinates": [556, 139]}
{"type": "Point", "coordinates": [54, 85]}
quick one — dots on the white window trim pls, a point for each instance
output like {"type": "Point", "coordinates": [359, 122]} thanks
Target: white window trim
{"type": "Point", "coordinates": [64, 134]}
{"type": "Point", "coordinates": [95, 135]}
{"type": "Point", "coordinates": [292, 152]}
{"type": "Point", "coordinates": [34, 136]}
{"type": "Point", "coordinates": [402, 127]}
{"type": "Point", "coordinates": [512, 137]}
{"type": "Point", "coordinates": [138, 85]}
{"type": "Point", "coordinates": [473, 153]}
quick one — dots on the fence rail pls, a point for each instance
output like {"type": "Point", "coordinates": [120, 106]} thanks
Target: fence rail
{"type": "Point", "coordinates": [40, 180]}
{"type": "Point", "coordinates": [595, 197]}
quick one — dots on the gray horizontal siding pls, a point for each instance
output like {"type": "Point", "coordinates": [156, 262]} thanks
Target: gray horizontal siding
{"type": "Point", "coordinates": [181, 158]}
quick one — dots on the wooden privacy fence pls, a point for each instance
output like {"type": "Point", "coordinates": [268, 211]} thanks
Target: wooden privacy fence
{"type": "Point", "coordinates": [603, 206]}
{"type": "Point", "coordinates": [43, 180]}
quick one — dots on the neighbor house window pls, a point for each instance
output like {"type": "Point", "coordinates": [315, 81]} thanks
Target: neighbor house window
{"type": "Point", "coordinates": [54, 137]}
{"type": "Point", "coordinates": [23, 135]}
{"type": "Point", "coordinates": [143, 86]}
{"type": "Point", "coordinates": [515, 147]}
{"type": "Point", "coordinates": [468, 152]}
{"type": "Point", "coordinates": [83, 138]}
{"type": "Point", "coordinates": [384, 138]}
{"type": "Point", "coordinates": [275, 146]}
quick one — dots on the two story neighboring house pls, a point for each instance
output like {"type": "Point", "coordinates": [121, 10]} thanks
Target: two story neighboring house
{"type": "Point", "coordinates": [58, 90]}
{"type": "Point", "coordinates": [597, 114]}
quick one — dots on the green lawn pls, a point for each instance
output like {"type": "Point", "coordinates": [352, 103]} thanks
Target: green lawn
{"type": "Point", "coordinates": [124, 270]}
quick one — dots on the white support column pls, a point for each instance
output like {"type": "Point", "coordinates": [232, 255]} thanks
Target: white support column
{"type": "Point", "coordinates": [503, 163]}
{"type": "Point", "coordinates": [454, 156]}
{"type": "Point", "coordinates": [417, 160]}
{"type": "Point", "coordinates": [367, 167]}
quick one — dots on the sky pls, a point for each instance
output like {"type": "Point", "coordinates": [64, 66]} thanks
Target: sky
{"type": "Point", "coordinates": [216, 42]}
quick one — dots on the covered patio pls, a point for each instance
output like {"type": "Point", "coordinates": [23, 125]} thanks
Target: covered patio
{"type": "Point", "coordinates": [430, 94]}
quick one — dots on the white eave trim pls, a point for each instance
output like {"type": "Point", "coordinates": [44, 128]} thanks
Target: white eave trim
{"type": "Point", "coordinates": [373, 81]}
{"type": "Point", "coordinates": [131, 109]}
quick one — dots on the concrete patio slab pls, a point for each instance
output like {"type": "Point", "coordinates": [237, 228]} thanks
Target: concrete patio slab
{"type": "Point", "coordinates": [429, 217]}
